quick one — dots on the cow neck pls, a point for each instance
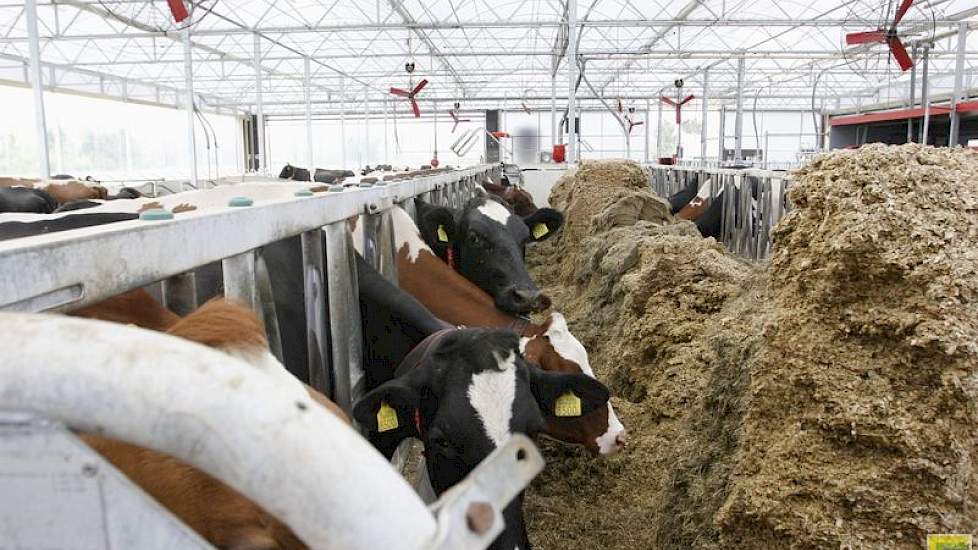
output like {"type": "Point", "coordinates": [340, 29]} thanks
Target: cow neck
{"type": "Point", "coordinates": [450, 296]}
{"type": "Point", "coordinates": [415, 358]}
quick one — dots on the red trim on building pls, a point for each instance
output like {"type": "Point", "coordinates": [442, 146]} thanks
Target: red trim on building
{"type": "Point", "coordinates": [884, 116]}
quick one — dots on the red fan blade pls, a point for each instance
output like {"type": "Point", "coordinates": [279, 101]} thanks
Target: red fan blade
{"type": "Point", "coordinates": [415, 108]}
{"type": "Point", "coordinates": [854, 38]}
{"type": "Point", "coordinates": [639, 123]}
{"type": "Point", "coordinates": [455, 126]}
{"type": "Point", "coordinates": [454, 117]}
{"type": "Point", "coordinates": [620, 108]}
{"type": "Point", "coordinates": [667, 101]}
{"type": "Point", "coordinates": [900, 53]}
{"type": "Point", "coordinates": [400, 92]}
{"type": "Point", "coordinates": [901, 12]}
{"type": "Point", "coordinates": [687, 99]}
{"type": "Point", "coordinates": [178, 10]}
{"type": "Point", "coordinates": [419, 87]}
{"type": "Point", "coordinates": [679, 116]}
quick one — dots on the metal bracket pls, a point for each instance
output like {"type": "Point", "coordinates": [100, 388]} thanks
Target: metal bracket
{"type": "Point", "coordinates": [50, 478]}
{"type": "Point", "coordinates": [469, 514]}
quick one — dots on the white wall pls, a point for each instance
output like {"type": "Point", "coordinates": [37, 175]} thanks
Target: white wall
{"type": "Point", "coordinates": [110, 140]}
{"type": "Point", "coordinates": [409, 142]}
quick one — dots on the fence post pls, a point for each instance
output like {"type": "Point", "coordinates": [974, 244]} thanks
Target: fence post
{"type": "Point", "coordinates": [317, 322]}
{"type": "Point", "coordinates": [344, 315]}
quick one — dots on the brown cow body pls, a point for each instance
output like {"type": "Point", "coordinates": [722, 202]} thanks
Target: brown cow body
{"type": "Point", "coordinates": [217, 512]}
{"type": "Point", "coordinates": [518, 198]}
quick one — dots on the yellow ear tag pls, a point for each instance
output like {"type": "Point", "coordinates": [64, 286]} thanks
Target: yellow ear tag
{"type": "Point", "coordinates": [442, 234]}
{"type": "Point", "coordinates": [539, 230]}
{"type": "Point", "coordinates": [386, 418]}
{"type": "Point", "coordinates": [568, 404]}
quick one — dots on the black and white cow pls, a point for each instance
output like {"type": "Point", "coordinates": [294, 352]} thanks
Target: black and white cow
{"type": "Point", "coordinates": [485, 242]}
{"type": "Point", "coordinates": [463, 393]}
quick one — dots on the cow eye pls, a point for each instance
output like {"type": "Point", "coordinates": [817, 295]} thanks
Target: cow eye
{"type": "Point", "coordinates": [476, 240]}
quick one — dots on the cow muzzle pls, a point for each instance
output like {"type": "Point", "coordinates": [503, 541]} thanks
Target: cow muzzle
{"type": "Point", "coordinates": [521, 301]}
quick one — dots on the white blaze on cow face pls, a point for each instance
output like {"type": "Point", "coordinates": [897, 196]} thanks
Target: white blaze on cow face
{"type": "Point", "coordinates": [406, 233]}
{"type": "Point", "coordinates": [495, 211]}
{"type": "Point", "coordinates": [492, 394]}
{"type": "Point", "coordinates": [569, 347]}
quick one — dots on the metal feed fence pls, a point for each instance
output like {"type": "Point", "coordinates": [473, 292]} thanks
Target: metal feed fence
{"type": "Point", "coordinates": [753, 201]}
{"type": "Point", "coordinates": [76, 268]}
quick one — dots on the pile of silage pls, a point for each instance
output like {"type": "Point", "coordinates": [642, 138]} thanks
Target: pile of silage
{"type": "Point", "coordinates": [639, 289]}
{"type": "Point", "coordinates": [824, 401]}
{"type": "Point", "coordinates": [863, 426]}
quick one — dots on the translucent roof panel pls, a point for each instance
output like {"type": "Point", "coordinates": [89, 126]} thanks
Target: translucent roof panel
{"type": "Point", "coordinates": [488, 54]}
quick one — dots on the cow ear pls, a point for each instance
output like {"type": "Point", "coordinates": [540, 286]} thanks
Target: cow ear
{"type": "Point", "coordinates": [543, 223]}
{"type": "Point", "coordinates": [437, 225]}
{"type": "Point", "coordinates": [389, 410]}
{"type": "Point", "coordinates": [567, 395]}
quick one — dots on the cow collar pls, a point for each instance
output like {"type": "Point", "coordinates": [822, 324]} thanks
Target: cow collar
{"type": "Point", "coordinates": [519, 324]}
{"type": "Point", "coordinates": [451, 257]}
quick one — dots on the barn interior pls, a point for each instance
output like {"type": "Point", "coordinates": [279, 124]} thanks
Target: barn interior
{"type": "Point", "coordinates": [474, 274]}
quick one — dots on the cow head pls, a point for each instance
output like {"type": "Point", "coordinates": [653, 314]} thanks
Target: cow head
{"type": "Point", "coordinates": [287, 172]}
{"type": "Point", "coordinates": [553, 347]}
{"type": "Point", "coordinates": [467, 395]}
{"type": "Point", "coordinates": [517, 198]}
{"type": "Point", "coordinates": [485, 242]}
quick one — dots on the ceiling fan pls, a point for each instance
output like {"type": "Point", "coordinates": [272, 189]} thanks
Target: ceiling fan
{"type": "Point", "coordinates": [631, 122]}
{"type": "Point", "coordinates": [454, 114]}
{"type": "Point", "coordinates": [678, 105]}
{"type": "Point", "coordinates": [410, 95]}
{"type": "Point", "coordinates": [889, 36]}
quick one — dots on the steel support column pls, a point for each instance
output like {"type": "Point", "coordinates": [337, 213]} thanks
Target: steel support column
{"type": "Point", "coordinates": [658, 133]}
{"type": "Point", "coordinates": [365, 151]}
{"type": "Point", "coordinates": [913, 93]}
{"type": "Point", "coordinates": [739, 120]}
{"type": "Point", "coordinates": [706, 106]}
{"type": "Point", "coordinates": [925, 96]}
{"type": "Point", "coordinates": [188, 80]}
{"type": "Point", "coordinates": [307, 90]}
{"type": "Point", "coordinates": [572, 69]}
{"type": "Point", "coordinates": [723, 134]}
{"type": "Point", "coordinates": [952, 140]}
{"type": "Point", "coordinates": [648, 131]}
{"type": "Point", "coordinates": [260, 109]}
{"type": "Point", "coordinates": [553, 109]}
{"type": "Point", "coordinates": [37, 86]}
{"type": "Point", "coordinates": [342, 123]}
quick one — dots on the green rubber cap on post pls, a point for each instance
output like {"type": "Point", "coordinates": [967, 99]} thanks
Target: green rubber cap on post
{"type": "Point", "coordinates": [381, 183]}
{"type": "Point", "coordinates": [240, 201]}
{"type": "Point", "coordinates": [303, 193]}
{"type": "Point", "coordinates": [156, 215]}
{"type": "Point", "coordinates": [335, 188]}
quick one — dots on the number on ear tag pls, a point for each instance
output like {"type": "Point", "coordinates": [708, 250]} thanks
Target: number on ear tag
{"type": "Point", "coordinates": [539, 230]}
{"type": "Point", "coordinates": [442, 234]}
{"type": "Point", "coordinates": [386, 418]}
{"type": "Point", "coordinates": [567, 404]}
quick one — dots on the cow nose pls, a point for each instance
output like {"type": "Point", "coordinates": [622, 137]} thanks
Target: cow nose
{"type": "Point", "coordinates": [530, 300]}
{"type": "Point", "coordinates": [621, 439]}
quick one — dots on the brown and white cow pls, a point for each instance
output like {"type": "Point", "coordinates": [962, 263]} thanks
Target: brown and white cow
{"type": "Point", "coordinates": [550, 345]}
{"type": "Point", "coordinates": [519, 199]}
{"type": "Point", "coordinates": [217, 512]}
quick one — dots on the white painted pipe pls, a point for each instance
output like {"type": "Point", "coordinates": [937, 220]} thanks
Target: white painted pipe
{"type": "Point", "coordinates": [241, 425]}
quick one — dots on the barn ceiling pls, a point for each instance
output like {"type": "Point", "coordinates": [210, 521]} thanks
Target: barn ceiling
{"type": "Point", "coordinates": [482, 53]}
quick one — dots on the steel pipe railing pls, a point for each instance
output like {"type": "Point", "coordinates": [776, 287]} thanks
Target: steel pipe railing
{"type": "Point", "coordinates": [753, 201]}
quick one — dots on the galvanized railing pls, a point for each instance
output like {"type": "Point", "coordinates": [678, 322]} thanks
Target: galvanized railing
{"type": "Point", "coordinates": [753, 201]}
{"type": "Point", "coordinates": [63, 271]}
